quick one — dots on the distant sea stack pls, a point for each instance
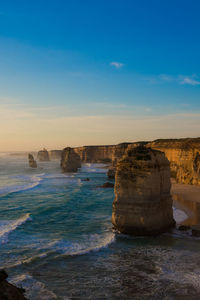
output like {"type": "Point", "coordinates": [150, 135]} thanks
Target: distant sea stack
{"type": "Point", "coordinates": [70, 160]}
{"type": "Point", "coordinates": [9, 291]}
{"type": "Point", "coordinates": [143, 204]}
{"type": "Point", "coordinates": [32, 162]}
{"type": "Point", "coordinates": [43, 155]}
{"type": "Point", "coordinates": [184, 157]}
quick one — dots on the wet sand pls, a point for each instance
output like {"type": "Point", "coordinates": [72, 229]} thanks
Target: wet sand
{"type": "Point", "coordinates": [187, 198]}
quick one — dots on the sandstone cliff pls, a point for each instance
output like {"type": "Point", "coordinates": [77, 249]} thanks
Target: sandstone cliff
{"type": "Point", "coordinates": [55, 154]}
{"type": "Point", "coordinates": [43, 155]}
{"type": "Point", "coordinates": [9, 291]}
{"type": "Point", "coordinates": [95, 154]}
{"type": "Point", "coordinates": [143, 204]}
{"type": "Point", "coordinates": [184, 157]}
{"type": "Point", "coordinates": [31, 161]}
{"type": "Point", "coordinates": [70, 160]}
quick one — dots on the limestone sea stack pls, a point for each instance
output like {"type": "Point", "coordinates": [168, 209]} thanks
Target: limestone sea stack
{"type": "Point", "coordinates": [32, 162]}
{"type": "Point", "coordinates": [142, 204]}
{"type": "Point", "coordinates": [9, 291]}
{"type": "Point", "coordinates": [43, 155]}
{"type": "Point", "coordinates": [70, 160]}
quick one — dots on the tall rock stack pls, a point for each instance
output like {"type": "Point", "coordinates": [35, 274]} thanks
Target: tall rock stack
{"type": "Point", "coordinates": [70, 160]}
{"type": "Point", "coordinates": [32, 162]}
{"type": "Point", "coordinates": [143, 204]}
{"type": "Point", "coordinates": [43, 155]}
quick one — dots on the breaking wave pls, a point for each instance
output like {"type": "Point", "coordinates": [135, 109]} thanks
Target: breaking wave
{"type": "Point", "coordinates": [6, 227]}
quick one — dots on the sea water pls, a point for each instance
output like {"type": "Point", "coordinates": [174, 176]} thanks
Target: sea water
{"type": "Point", "coordinates": [56, 240]}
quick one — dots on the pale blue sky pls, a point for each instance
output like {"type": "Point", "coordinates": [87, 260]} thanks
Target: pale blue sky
{"type": "Point", "coordinates": [98, 72]}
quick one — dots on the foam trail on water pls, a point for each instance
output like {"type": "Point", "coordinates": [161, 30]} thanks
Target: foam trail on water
{"type": "Point", "coordinates": [34, 181]}
{"type": "Point", "coordinates": [6, 227]}
{"type": "Point", "coordinates": [35, 290]}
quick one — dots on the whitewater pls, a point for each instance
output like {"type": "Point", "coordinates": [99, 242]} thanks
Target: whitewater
{"type": "Point", "coordinates": [57, 241]}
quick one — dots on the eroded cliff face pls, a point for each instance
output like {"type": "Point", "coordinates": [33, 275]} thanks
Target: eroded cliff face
{"type": "Point", "coordinates": [95, 154]}
{"type": "Point", "coordinates": [143, 204]}
{"type": "Point", "coordinates": [70, 160]}
{"type": "Point", "coordinates": [184, 157]}
{"type": "Point", "coordinates": [55, 154]}
{"type": "Point", "coordinates": [43, 155]}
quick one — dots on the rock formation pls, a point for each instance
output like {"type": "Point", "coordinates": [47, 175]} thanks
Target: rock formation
{"type": "Point", "coordinates": [184, 157]}
{"type": "Point", "coordinates": [55, 154]}
{"type": "Point", "coordinates": [143, 204]}
{"type": "Point", "coordinates": [9, 291]}
{"type": "Point", "coordinates": [32, 162]}
{"type": "Point", "coordinates": [43, 155]}
{"type": "Point", "coordinates": [111, 173]}
{"type": "Point", "coordinates": [95, 154]}
{"type": "Point", "coordinates": [70, 160]}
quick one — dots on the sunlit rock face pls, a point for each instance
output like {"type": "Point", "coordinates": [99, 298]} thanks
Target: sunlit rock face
{"type": "Point", "coordinates": [43, 155]}
{"type": "Point", "coordinates": [31, 161]}
{"type": "Point", "coordinates": [70, 160]}
{"type": "Point", "coordinates": [184, 157]}
{"type": "Point", "coordinates": [143, 204]}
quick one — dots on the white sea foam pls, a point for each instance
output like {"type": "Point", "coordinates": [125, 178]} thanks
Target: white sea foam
{"type": "Point", "coordinates": [30, 183]}
{"type": "Point", "coordinates": [179, 215]}
{"type": "Point", "coordinates": [35, 290]}
{"type": "Point", "coordinates": [93, 242]}
{"type": "Point", "coordinates": [6, 227]}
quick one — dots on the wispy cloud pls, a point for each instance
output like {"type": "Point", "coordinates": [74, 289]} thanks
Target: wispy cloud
{"type": "Point", "coordinates": [116, 64]}
{"type": "Point", "coordinates": [179, 79]}
{"type": "Point", "coordinates": [190, 81]}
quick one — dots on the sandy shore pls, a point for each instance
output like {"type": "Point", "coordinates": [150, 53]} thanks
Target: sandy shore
{"type": "Point", "coordinates": [187, 198]}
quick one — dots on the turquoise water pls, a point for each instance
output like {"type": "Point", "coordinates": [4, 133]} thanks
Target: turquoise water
{"type": "Point", "coordinates": [56, 240]}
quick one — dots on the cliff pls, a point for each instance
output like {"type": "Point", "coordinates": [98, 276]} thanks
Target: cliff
{"type": "Point", "coordinates": [184, 157]}
{"type": "Point", "coordinates": [95, 154]}
{"type": "Point", "coordinates": [55, 154]}
{"type": "Point", "coordinates": [143, 204]}
{"type": "Point", "coordinates": [43, 155]}
{"type": "Point", "coordinates": [9, 291]}
{"type": "Point", "coordinates": [70, 160]}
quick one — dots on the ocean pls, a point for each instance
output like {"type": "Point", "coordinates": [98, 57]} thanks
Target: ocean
{"type": "Point", "coordinates": [57, 241]}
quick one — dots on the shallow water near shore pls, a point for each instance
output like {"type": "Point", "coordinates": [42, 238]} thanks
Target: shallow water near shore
{"type": "Point", "coordinates": [56, 240]}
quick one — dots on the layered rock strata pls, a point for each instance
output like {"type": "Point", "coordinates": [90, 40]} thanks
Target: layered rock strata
{"type": "Point", "coordinates": [70, 160]}
{"type": "Point", "coordinates": [143, 204]}
{"type": "Point", "coordinates": [9, 291]}
{"type": "Point", "coordinates": [31, 161]}
{"type": "Point", "coordinates": [55, 154]}
{"type": "Point", "coordinates": [184, 157]}
{"type": "Point", "coordinates": [43, 155]}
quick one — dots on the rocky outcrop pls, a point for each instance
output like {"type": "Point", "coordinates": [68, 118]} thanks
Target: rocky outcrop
{"type": "Point", "coordinates": [43, 155]}
{"type": "Point", "coordinates": [9, 291]}
{"type": "Point", "coordinates": [70, 160]}
{"type": "Point", "coordinates": [143, 204]}
{"type": "Point", "coordinates": [55, 154]}
{"type": "Point", "coordinates": [184, 157]}
{"type": "Point", "coordinates": [111, 173]}
{"type": "Point", "coordinates": [31, 161]}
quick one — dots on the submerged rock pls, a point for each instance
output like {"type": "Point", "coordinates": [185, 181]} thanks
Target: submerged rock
{"type": "Point", "coordinates": [85, 179]}
{"type": "Point", "coordinates": [196, 230]}
{"type": "Point", "coordinates": [9, 291]}
{"type": "Point", "coordinates": [70, 160]}
{"type": "Point", "coordinates": [32, 162]}
{"type": "Point", "coordinates": [43, 155]}
{"type": "Point", "coordinates": [143, 204]}
{"type": "Point", "coordinates": [107, 185]}
{"type": "Point", "coordinates": [184, 227]}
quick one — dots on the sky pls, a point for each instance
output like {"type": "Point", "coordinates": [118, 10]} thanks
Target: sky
{"type": "Point", "coordinates": [97, 72]}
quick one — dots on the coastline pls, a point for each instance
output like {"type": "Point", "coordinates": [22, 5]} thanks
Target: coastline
{"type": "Point", "coordinates": [187, 199]}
